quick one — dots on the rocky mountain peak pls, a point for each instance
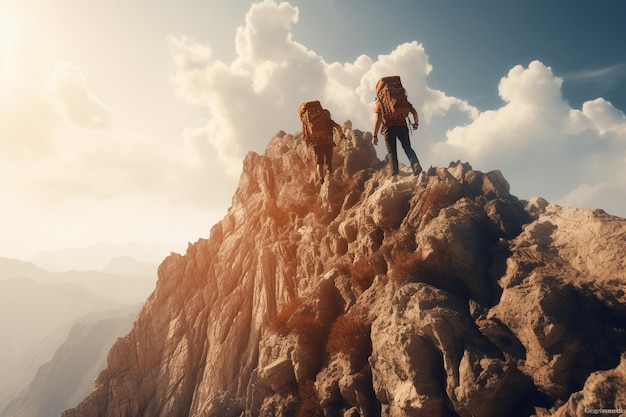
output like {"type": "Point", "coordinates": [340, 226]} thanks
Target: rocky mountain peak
{"type": "Point", "coordinates": [433, 295]}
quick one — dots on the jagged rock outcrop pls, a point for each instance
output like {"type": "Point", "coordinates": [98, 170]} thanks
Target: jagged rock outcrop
{"type": "Point", "coordinates": [435, 295]}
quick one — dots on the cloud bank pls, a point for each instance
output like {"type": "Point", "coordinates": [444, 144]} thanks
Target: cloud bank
{"type": "Point", "coordinates": [543, 145]}
{"type": "Point", "coordinates": [258, 93]}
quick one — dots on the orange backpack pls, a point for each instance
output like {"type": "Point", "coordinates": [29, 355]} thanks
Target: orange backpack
{"type": "Point", "coordinates": [317, 128]}
{"type": "Point", "coordinates": [393, 99]}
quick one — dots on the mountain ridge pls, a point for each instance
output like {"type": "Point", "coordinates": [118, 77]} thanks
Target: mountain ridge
{"type": "Point", "coordinates": [373, 296]}
{"type": "Point", "coordinates": [135, 278]}
{"type": "Point", "coordinates": [67, 377]}
{"type": "Point", "coordinates": [96, 257]}
{"type": "Point", "coordinates": [38, 307]}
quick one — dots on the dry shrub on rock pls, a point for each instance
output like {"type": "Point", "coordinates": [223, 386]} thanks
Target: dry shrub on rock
{"type": "Point", "coordinates": [309, 401]}
{"type": "Point", "coordinates": [407, 267]}
{"type": "Point", "coordinates": [362, 274]}
{"type": "Point", "coordinates": [436, 198]}
{"type": "Point", "coordinates": [280, 320]}
{"type": "Point", "coordinates": [350, 335]}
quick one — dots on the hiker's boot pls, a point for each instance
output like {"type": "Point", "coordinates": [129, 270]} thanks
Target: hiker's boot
{"type": "Point", "coordinates": [417, 168]}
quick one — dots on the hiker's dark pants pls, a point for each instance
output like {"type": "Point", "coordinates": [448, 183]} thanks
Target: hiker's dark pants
{"type": "Point", "coordinates": [324, 156]}
{"type": "Point", "coordinates": [402, 134]}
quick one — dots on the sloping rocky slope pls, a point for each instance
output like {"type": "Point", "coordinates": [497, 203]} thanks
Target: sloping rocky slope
{"type": "Point", "coordinates": [435, 295]}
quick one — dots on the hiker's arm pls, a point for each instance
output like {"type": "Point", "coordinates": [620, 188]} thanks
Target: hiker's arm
{"type": "Point", "coordinates": [338, 128]}
{"type": "Point", "coordinates": [379, 119]}
{"type": "Point", "coordinates": [416, 120]}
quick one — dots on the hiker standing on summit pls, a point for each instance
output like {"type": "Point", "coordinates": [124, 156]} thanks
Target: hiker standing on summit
{"type": "Point", "coordinates": [392, 109]}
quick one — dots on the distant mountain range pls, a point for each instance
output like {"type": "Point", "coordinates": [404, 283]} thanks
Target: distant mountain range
{"type": "Point", "coordinates": [69, 375]}
{"type": "Point", "coordinates": [83, 311]}
{"type": "Point", "coordinates": [122, 280]}
{"type": "Point", "coordinates": [30, 311]}
{"type": "Point", "coordinates": [98, 257]}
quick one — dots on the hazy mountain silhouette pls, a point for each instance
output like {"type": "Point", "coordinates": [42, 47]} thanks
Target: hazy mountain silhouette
{"type": "Point", "coordinates": [15, 268]}
{"type": "Point", "coordinates": [30, 311]}
{"type": "Point", "coordinates": [97, 257]}
{"type": "Point", "coordinates": [125, 281]}
{"type": "Point", "coordinates": [38, 308]}
{"type": "Point", "coordinates": [68, 376]}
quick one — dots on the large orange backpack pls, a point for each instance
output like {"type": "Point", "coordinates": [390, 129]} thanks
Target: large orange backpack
{"type": "Point", "coordinates": [317, 128]}
{"type": "Point", "coordinates": [392, 96]}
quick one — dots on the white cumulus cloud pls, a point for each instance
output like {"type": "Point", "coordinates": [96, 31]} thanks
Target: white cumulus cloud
{"type": "Point", "coordinates": [544, 146]}
{"type": "Point", "coordinates": [259, 92]}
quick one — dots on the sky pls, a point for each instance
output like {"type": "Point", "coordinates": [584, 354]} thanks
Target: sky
{"type": "Point", "coordinates": [127, 120]}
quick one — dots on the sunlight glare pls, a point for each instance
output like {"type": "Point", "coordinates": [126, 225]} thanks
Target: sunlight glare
{"type": "Point", "coordinates": [8, 47]}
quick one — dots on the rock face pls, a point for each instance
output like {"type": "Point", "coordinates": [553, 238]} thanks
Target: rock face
{"type": "Point", "coordinates": [435, 295]}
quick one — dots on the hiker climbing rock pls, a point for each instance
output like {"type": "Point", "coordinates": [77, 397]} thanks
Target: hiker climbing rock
{"type": "Point", "coordinates": [317, 130]}
{"type": "Point", "coordinates": [392, 110]}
